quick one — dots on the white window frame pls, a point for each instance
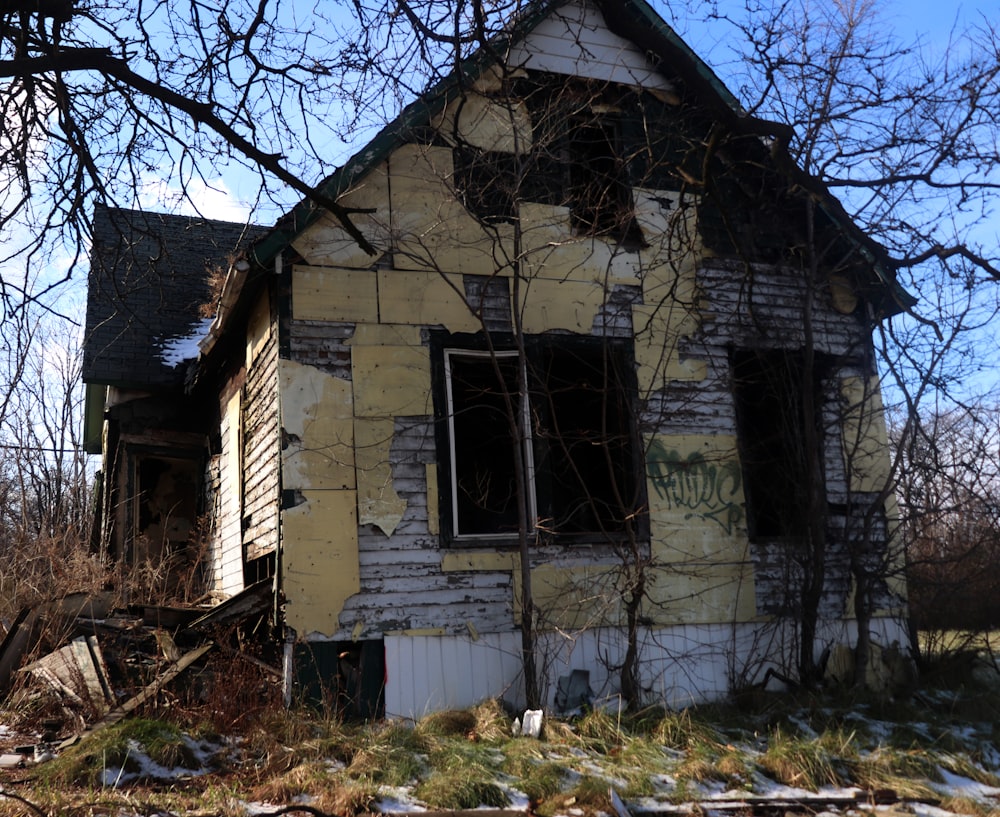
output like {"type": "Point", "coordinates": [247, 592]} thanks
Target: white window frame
{"type": "Point", "coordinates": [527, 446]}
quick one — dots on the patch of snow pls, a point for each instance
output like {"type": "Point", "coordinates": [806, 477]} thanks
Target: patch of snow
{"type": "Point", "coordinates": [148, 769]}
{"type": "Point", "coordinates": [516, 799]}
{"type": "Point", "coordinates": [957, 785]}
{"type": "Point", "coordinates": [177, 350]}
{"type": "Point", "coordinates": [396, 799]}
{"type": "Point", "coordinates": [926, 810]}
{"type": "Point", "coordinates": [804, 728]}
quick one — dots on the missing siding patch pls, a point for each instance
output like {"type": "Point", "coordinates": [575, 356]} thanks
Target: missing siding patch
{"type": "Point", "coordinates": [290, 498]}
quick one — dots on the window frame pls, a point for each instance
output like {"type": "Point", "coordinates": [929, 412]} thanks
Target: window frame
{"type": "Point", "coordinates": [447, 347]}
{"type": "Point", "coordinates": [527, 452]}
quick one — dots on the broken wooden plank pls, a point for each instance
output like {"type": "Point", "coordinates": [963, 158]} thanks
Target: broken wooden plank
{"type": "Point", "coordinates": [254, 600]}
{"type": "Point", "coordinates": [101, 668]}
{"type": "Point", "coordinates": [72, 671]}
{"type": "Point", "coordinates": [15, 644]}
{"type": "Point", "coordinates": [618, 804]}
{"type": "Point", "coordinates": [151, 689]}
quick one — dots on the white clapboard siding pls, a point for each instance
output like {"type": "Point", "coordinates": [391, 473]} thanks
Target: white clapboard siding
{"type": "Point", "coordinates": [575, 41]}
{"type": "Point", "coordinates": [228, 556]}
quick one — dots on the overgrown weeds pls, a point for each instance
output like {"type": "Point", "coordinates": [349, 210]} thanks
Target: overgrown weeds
{"type": "Point", "coordinates": [469, 758]}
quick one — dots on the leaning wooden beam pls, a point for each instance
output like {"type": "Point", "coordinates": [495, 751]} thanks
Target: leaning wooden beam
{"type": "Point", "coordinates": [120, 712]}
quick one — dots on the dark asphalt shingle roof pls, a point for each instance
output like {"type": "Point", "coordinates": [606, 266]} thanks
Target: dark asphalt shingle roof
{"type": "Point", "coordinates": [149, 276]}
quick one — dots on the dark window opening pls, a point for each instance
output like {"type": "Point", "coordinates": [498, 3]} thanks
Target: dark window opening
{"type": "Point", "coordinates": [580, 473]}
{"type": "Point", "coordinates": [259, 569]}
{"type": "Point", "coordinates": [768, 387]}
{"type": "Point", "coordinates": [484, 490]}
{"type": "Point", "coordinates": [583, 440]}
{"type": "Point", "coordinates": [600, 199]}
{"type": "Point", "coordinates": [487, 182]}
{"type": "Point", "coordinates": [578, 160]}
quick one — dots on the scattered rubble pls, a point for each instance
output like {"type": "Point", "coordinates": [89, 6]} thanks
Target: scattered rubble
{"type": "Point", "coordinates": [84, 665]}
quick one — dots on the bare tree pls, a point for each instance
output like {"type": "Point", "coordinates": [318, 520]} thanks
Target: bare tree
{"type": "Point", "coordinates": [905, 138]}
{"type": "Point", "coordinates": [98, 99]}
{"type": "Point", "coordinates": [854, 126]}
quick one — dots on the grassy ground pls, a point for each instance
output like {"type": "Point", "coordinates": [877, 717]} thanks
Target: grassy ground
{"type": "Point", "coordinates": [943, 745]}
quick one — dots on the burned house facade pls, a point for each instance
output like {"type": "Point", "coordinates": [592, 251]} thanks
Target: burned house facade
{"type": "Point", "coordinates": [593, 320]}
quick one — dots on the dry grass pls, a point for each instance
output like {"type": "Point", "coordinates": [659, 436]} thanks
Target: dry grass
{"type": "Point", "coordinates": [801, 762]}
{"type": "Point", "coordinates": [465, 759]}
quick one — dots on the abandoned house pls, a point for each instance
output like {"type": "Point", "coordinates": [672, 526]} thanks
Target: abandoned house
{"type": "Point", "coordinates": [601, 341]}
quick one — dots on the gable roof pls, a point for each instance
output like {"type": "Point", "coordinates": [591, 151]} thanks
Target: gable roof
{"type": "Point", "coordinates": [149, 277]}
{"type": "Point", "coordinates": [636, 21]}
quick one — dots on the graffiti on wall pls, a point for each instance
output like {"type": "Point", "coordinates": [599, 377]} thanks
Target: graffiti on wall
{"type": "Point", "coordinates": [705, 489]}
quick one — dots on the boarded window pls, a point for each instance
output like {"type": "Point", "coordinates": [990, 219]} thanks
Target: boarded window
{"type": "Point", "coordinates": [578, 456]}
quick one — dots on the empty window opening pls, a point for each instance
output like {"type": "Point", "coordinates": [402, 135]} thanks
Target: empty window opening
{"type": "Point", "coordinates": [586, 474]}
{"type": "Point", "coordinates": [771, 410]}
{"type": "Point", "coordinates": [600, 200]}
{"type": "Point", "coordinates": [580, 475]}
{"type": "Point", "coordinates": [482, 393]}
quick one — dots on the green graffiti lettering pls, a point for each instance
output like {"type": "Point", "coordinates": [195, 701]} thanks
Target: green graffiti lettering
{"type": "Point", "coordinates": [708, 490]}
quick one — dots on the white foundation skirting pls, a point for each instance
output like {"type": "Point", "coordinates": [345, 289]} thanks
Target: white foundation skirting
{"type": "Point", "coordinates": [680, 665]}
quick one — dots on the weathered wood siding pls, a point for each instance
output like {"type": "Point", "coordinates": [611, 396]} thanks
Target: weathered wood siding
{"type": "Point", "coordinates": [224, 489]}
{"type": "Point", "coordinates": [261, 449]}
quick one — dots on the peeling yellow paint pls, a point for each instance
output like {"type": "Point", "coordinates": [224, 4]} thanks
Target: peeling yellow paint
{"type": "Point", "coordinates": [431, 228]}
{"type": "Point", "coordinates": [327, 242]}
{"type": "Point", "coordinates": [317, 419]}
{"type": "Point", "coordinates": [417, 633]}
{"type": "Point", "coordinates": [359, 627]}
{"type": "Point", "coordinates": [572, 597]}
{"type": "Point", "coordinates": [391, 381]}
{"type": "Point", "coordinates": [320, 569]}
{"type": "Point", "coordinates": [659, 330]}
{"type": "Point", "coordinates": [551, 250]}
{"type": "Point", "coordinates": [488, 124]}
{"type": "Point", "coordinates": [378, 502]}
{"type": "Point", "coordinates": [485, 560]}
{"type": "Point", "coordinates": [431, 474]}
{"type": "Point", "coordinates": [384, 335]}
{"type": "Point", "coordinates": [673, 244]}
{"type": "Point", "coordinates": [703, 594]}
{"type": "Point", "coordinates": [698, 529]}
{"type": "Point", "coordinates": [866, 445]}
{"type": "Point", "coordinates": [842, 295]}
{"type": "Point", "coordinates": [571, 305]}
{"type": "Point", "coordinates": [334, 294]}
{"type": "Point", "coordinates": [428, 298]}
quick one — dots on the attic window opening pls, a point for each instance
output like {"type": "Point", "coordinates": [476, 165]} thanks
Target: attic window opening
{"type": "Point", "coordinates": [580, 474]}
{"type": "Point", "coordinates": [600, 199]}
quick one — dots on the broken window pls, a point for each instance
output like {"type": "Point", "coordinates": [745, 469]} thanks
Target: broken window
{"type": "Point", "coordinates": [482, 395]}
{"type": "Point", "coordinates": [577, 160]}
{"type": "Point", "coordinates": [771, 411]}
{"type": "Point", "coordinates": [578, 456]}
{"type": "Point", "coordinates": [600, 199]}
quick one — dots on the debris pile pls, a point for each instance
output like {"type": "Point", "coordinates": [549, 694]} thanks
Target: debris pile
{"type": "Point", "coordinates": [78, 665]}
